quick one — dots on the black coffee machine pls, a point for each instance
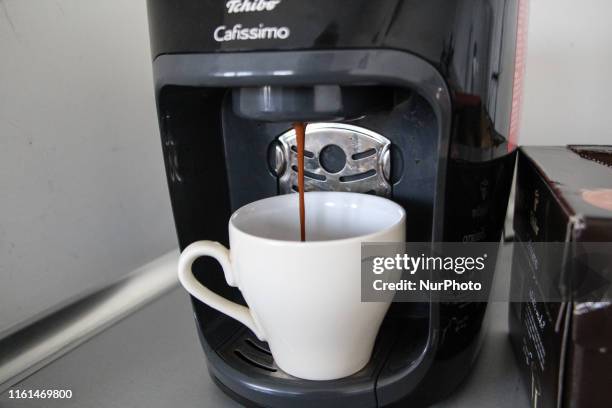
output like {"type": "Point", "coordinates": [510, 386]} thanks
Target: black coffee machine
{"type": "Point", "coordinates": [413, 100]}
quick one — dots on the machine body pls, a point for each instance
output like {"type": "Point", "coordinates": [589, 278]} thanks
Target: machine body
{"type": "Point", "coordinates": [412, 100]}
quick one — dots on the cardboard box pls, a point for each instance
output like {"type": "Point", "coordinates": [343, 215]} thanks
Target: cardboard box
{"type": "Point", "coordinates": [562, 341]}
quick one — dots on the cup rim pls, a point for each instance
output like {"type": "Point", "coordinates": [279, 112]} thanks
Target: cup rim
{"type": "Point", "coordinates": [360, 238]}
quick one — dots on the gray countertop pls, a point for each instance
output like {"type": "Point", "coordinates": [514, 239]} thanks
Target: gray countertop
{"type": "Point", "coordinates": [153, 359]}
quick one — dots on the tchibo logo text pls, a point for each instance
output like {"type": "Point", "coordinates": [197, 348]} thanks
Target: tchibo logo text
{"type": "Point", "coordinates": [248, 6]}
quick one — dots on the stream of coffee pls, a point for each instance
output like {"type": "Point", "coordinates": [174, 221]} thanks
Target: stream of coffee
{"type": "Point", "coordinates": [300, 136]}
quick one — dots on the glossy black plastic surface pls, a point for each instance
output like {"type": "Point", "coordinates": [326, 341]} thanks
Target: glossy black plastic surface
{"type": "Point", "coordinates": [470, 42]}
{"type": "Point", "coordinates": [432, 29]}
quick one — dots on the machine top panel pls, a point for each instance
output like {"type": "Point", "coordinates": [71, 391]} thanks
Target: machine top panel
{"type": "Point", "coordinates": [426, 27]}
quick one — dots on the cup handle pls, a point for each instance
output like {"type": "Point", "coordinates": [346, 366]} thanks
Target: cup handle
{"type": "Point", "coordinates": [205, 295]}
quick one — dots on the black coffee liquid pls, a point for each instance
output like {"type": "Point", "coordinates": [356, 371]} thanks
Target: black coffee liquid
{"type": "Point", "coordinates": [300, 136]}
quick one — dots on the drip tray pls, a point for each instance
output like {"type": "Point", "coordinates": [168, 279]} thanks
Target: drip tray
{"type": "Point", "coordinates": [248, 354]}
{"type": "Point", "coordinates": [245, 369]}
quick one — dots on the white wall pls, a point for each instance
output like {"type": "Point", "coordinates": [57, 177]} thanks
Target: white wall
{"type": "Point", "coordinates": [83, 194]}
{"type": "Point", "coordinates": [568, 84]}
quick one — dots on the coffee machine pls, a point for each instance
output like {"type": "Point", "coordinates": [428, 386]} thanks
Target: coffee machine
{"type": "Point", "coordinates": [414, 100]}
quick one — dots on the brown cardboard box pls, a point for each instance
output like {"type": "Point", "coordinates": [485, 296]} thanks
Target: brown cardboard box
{"type": "Point", "coordinates": [563, 342]}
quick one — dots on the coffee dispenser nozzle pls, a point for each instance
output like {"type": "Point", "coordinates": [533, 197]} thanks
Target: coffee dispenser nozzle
{"type": "Point", "coordinates": [273, 103]}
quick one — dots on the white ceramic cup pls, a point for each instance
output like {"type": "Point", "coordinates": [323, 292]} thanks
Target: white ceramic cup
{"type": "Point", "coordinates": [304, 298]}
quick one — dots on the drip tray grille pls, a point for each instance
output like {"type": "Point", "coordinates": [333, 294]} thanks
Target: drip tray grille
{"type": "Point", "coordinates": [247, 354]}
{"type": "Point", "coordinates": [255, 353]}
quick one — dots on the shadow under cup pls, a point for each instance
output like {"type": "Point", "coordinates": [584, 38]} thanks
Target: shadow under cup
{"type": "Point", "coordinates": [305, 297]}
